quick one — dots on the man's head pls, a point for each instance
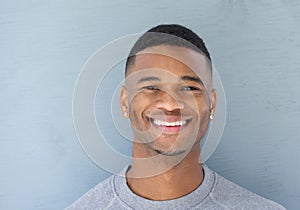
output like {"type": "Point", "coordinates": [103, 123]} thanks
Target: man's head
{"type": "Point", "coordinates": [171, 35]}
{"type": "Point", "coordinates": [168, 94]}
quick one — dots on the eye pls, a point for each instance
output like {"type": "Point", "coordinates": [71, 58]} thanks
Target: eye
{"type": "Point", "coordinates": [151, 87]}
{"type": "Point", "coordinates": [190, 88]}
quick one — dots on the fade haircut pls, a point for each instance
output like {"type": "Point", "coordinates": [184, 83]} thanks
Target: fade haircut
{"type": "Point", "coordinates": [168, 34]}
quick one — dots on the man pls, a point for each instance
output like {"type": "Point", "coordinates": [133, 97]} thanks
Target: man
{"type": "Point", "coordinates": [169, 98]}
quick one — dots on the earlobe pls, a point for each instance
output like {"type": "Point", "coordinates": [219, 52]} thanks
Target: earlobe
{"type": "Point", "coordinates": [124, 101]}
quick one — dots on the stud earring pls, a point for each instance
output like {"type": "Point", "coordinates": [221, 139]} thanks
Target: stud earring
{"type": "Point", "coordinates": [125, 114]}
{"type": "Point", "coordinates": [211, 116]}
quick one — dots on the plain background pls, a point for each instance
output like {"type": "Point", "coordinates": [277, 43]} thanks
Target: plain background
{"type": "Point", "coordinates": [255, 47]}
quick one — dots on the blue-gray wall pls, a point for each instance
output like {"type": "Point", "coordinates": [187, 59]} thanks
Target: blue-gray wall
{"type": "Point", "coordinates": [255, 47]}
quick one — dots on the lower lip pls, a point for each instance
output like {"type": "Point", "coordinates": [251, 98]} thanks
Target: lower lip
{"type": "Point", "coordinates": [169, 129]}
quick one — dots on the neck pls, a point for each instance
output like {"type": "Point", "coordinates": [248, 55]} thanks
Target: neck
{"type": "Point", "coordinates": [163, 177]}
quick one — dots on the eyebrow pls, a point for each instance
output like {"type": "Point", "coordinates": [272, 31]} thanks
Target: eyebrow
{"type": "Point", "coordinates": [193, 79]}
{"type": "Point", "coordinates": [184, 78]}
{"type": "Point", "coordinates": [147, 79]}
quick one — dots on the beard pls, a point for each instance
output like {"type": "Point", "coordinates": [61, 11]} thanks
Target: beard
{"type": "Point", "coordinates": [168, 145]}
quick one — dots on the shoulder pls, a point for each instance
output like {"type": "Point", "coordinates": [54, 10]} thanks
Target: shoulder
{"type": "Point", "coordinates": [98, 197]}
{"type": "Point", "coordinates": [227, 193]}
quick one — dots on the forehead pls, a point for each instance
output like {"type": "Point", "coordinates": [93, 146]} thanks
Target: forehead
{"type": "Point", "coordinates": [178, 61]}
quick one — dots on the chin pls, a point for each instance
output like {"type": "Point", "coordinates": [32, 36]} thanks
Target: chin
{"type": "Point", "coordinates": [170, 153]}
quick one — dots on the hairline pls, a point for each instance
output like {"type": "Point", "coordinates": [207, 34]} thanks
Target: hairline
{"type": "Point", "coordinates": [131, 58]}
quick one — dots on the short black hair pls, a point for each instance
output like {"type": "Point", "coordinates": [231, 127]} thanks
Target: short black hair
{"type": "Point", "coordinates": [168, 34]}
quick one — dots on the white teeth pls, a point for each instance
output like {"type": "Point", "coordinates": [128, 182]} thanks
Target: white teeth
{"type": "Point", "coordinates": [163, 123]}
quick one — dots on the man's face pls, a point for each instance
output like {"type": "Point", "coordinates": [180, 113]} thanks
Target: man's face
{"type": "Point", "coordinates": [169, 98]}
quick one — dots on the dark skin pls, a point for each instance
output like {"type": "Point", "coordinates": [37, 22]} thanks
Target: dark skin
{"type": "Point", "coordinates": [168, 97]}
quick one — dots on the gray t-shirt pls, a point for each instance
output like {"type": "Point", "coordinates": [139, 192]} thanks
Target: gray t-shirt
{"type": "Point", "coordinates": [215, 193]}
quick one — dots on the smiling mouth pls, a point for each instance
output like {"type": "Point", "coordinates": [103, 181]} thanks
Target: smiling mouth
{"type": "Point", "coordinates": [169, 125]}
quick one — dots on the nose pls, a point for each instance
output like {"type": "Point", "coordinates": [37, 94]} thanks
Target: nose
{"type": "Point", "coordinates": [169, 101]}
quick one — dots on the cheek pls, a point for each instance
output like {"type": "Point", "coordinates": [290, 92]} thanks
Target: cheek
{"type": "Point", "coordinates": [202, 111]}
{"type": "Point", "coordinates": [141, 100]}
{"type": "Point", "coordinates": [200, 105]}
{"type": "Point", "coordinates": [138, 106]}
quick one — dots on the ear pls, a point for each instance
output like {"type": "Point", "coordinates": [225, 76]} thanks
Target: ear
{"type": "Point", "coordinates": [213, 101]}
{"type": "Point", "coordinates": [124, 101]}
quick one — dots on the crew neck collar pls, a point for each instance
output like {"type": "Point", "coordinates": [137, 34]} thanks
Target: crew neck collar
{"type": "Point", "coordinates": [193, 199]}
